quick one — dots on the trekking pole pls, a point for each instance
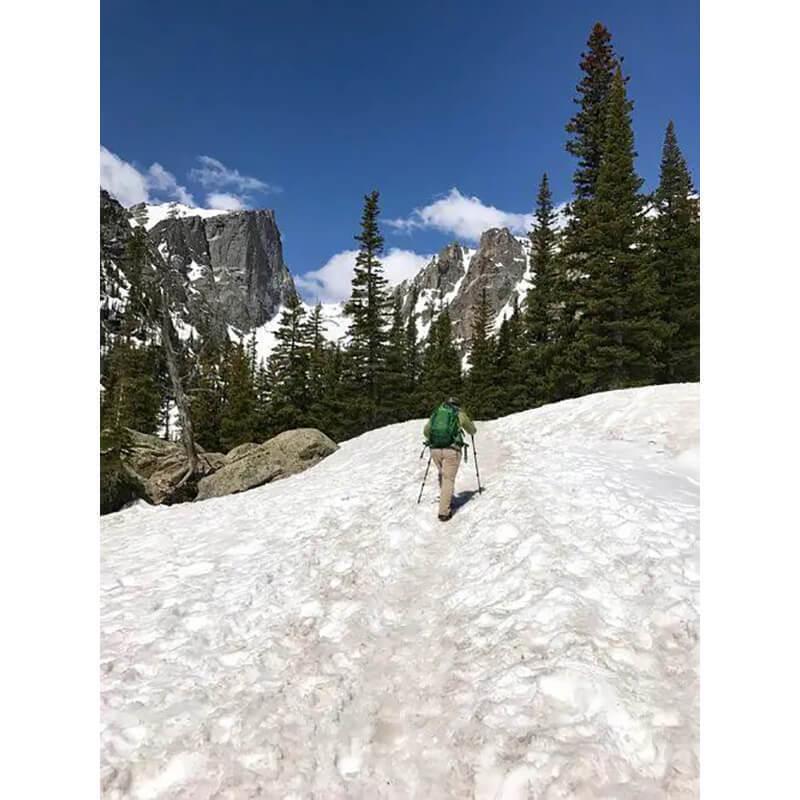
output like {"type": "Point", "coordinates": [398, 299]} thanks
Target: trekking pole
{"type": "Point", "coordinates": [475, 459]}
{"type": "Point", "coordinates": [424, 479]}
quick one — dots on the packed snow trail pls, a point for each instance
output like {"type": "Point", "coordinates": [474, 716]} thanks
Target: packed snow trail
{"type": "Point", "coordinates": [325, 636]}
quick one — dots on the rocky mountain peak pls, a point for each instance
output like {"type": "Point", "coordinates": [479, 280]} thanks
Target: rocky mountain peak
{"type": "Point", "coordinates": [230, 264]}
{"type": "Point", "coordinates": [457, 276]}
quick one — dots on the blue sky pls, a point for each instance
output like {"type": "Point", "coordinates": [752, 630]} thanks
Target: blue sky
{"type": "Point", "coordinates": [450, 108]}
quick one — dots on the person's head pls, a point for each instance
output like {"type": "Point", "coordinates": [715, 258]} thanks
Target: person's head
{"type": "Point", "coordinates": [453, 401]}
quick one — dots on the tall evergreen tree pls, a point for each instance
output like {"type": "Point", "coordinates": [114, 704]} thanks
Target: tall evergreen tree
{"type": "Point", "coordinates": [517, 375]}
{"type": "Point", "coordinates": [588, 126]}
{"type": "Point", "coordinates": [396, 396]}
{"type": "Point", "coordinates": [441, 366]}
{"type": "Point", "coordinates": [588, 138]}
{"type": "Point", "coordinates": [542, 302]}
{"type": "Point", "coordinates": [238, 423]}
{"type": "Point", "coordinates": [332, 413]}
{"type": "Point", "coordinates": [288, 368]}
{"type": "Point", "coordinates": [314, 336]}
{"type": "Point", "coordinates": [368, 307]}
{"type": "Point", "coordinates": [481, 380]}
{"type": "Point", "coordinates": [131, 396]}
{"type": "Point", "coordinates": [675, 248]}
{"type": "Point", "coordinates": [412, 358]}
{"type": "Point", "coordinates": [509, 393]}
{"type": "Point", "coordinates": [619, 333]}
{"type": "Point", "coordinates": [208, 397]}
{"type": "Point", "coordinates": [261, 391]}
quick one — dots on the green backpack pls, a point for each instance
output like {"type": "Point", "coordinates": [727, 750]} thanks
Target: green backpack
{"type": "Point", "coordinates": [445, 428]}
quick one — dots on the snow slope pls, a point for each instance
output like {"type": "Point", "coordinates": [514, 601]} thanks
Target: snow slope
{"type": "Point", "coordinates": [325, 636]}
{"type": "Point", "coordinates": [153, 213]}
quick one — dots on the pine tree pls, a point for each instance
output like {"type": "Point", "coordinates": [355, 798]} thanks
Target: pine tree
{"type": "Point", "coordinates": [509, 393]}
{"type": "Point", "coordinates": [542, 302]}
{"type": "Point", "coordinates": [314, 336]}
{"type": "Point", "coordinates": [237, 424]}
{"type": "Point", "coordinates": [288, 368]}
{"type": "Point", "coordinates": [441, 366]}
{"type": "Point", "coordinates": [332, 414]}
{"type": "Point", "coordinates": [396, 396]}
{"type": "Point", "coordinates": [131, 396]}
{"type": "Point", "coordinates": [619, 334]}
{"type": "Point", "coordinates": [252, 354]}
{"type": "Point", "coordinates": [261, 388]}
{"type": "Point", "coordinates": [588, 127]}
{"type": "Point", "coordinates": [412, 359]}
{"type": "Point", "coordinates": [481, 379]}
{"type": "Point", "coordinates": [368, 308]}
{"type": "Point", "coordinates": [675, 248]}
{"type": "Point", "coordinates": [208, 397]}
{"type": "Point", "coordinates": [517, 372]}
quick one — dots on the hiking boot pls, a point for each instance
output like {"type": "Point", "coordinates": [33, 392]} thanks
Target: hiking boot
{"type": "Point", "coordinates": [445, 517]}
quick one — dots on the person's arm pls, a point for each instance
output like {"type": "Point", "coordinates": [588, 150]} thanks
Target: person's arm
{"type": "Point", "coordinates": [427, 432]}
{"type": "Point", "coordinates": [466, 423]}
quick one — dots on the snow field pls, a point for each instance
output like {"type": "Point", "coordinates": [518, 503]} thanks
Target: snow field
{"type": "Point", "coordinates": [326, 636]}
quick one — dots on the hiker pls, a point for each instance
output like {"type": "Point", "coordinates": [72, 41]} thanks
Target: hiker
{"type": "Point", "coordinates": [444, 435]}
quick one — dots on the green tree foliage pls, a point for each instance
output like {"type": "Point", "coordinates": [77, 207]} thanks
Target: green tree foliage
{"type": "Point", "coordinates": [238, 423]}
{"type": "Point", "coordinates": [509, 391]}
{"type": "Point", "coordinates": [543, 302]}
{"type": "Point", "coordinates": [131, 396]}
{"type": "Point", "coordinates": [397, 388]}
{"type": "Point", "coordinates": [620, 333]}
{"type": "Point", "coordinates": [289, 368]}
{"type": "Point", "coordinates": [368, 308]}
{"type": "Point", "coordinates": [412, 355]}
{"type": "Point", "coordinates": [208, 398]}
{"type": "Point", "coordinates": [332, 413]}
{"type": "Point", "coordinates": [587, 128]}
{"type": "Point", "coordinates": [675, 249]}
{"type": "Point", "coordinates": [441, 364]}
{"type": "Point", "coordinates": [314, 339]}
{"type": "Point", "coordinates": [480, 381]}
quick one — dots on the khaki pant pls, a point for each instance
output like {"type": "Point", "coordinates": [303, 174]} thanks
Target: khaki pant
{"type": "Point", "coordinates": [447, 460]}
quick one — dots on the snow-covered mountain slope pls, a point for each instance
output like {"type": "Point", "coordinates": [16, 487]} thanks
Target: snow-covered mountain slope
{"type": "Point", "coordinates": [326, 636]}
{"type": "Point", "coordinates": [150, 214]}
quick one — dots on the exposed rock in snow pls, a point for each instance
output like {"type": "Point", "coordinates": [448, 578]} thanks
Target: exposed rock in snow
{"type": "Point", "coordinates": [327, 636]}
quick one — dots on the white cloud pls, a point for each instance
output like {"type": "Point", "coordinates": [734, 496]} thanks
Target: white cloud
{"type": "Point", "coordinates": [122, 179]}
{"type": "Point", "coordinates": [213, 174]}
{"type": "Point", "coordinates": [465, 217]}
{"type": "Point", "coordinates": [225, 202]}
{"type": "Point", "coordinates": [162, 180]}
{"type": "Point", "coordinates": [331, 283]}
{"type": "Point", "coordinates": [130, 186]}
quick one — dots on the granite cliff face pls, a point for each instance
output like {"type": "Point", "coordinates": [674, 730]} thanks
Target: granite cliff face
{"type": "Point", "coordinates": [235, 260]}
{"type": "Point", "coordinates": [456, 277]}
{"type": "Point", "coordinates": [228, 267]}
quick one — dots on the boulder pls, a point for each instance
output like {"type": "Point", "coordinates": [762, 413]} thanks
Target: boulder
{"type": "Point", "coordinates": [150, 469]}
{"type": "Point", "coordinates": [249, 466]}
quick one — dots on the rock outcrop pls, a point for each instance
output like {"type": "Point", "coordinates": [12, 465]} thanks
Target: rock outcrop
{"type": "Point", "coordinates": [457, 276]}
{"type": "Point", "coordinates": [247, 467]}
{"type": "Point", "coordinates": [233, 263]}
{"type": "Point", "coordinates": [226, 271]}
{"type": "Point", "coordinates": [150, 470]}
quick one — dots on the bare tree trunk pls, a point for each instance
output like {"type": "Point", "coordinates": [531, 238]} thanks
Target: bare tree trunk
{"type": "Point", "coordinates": [181, 400]}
